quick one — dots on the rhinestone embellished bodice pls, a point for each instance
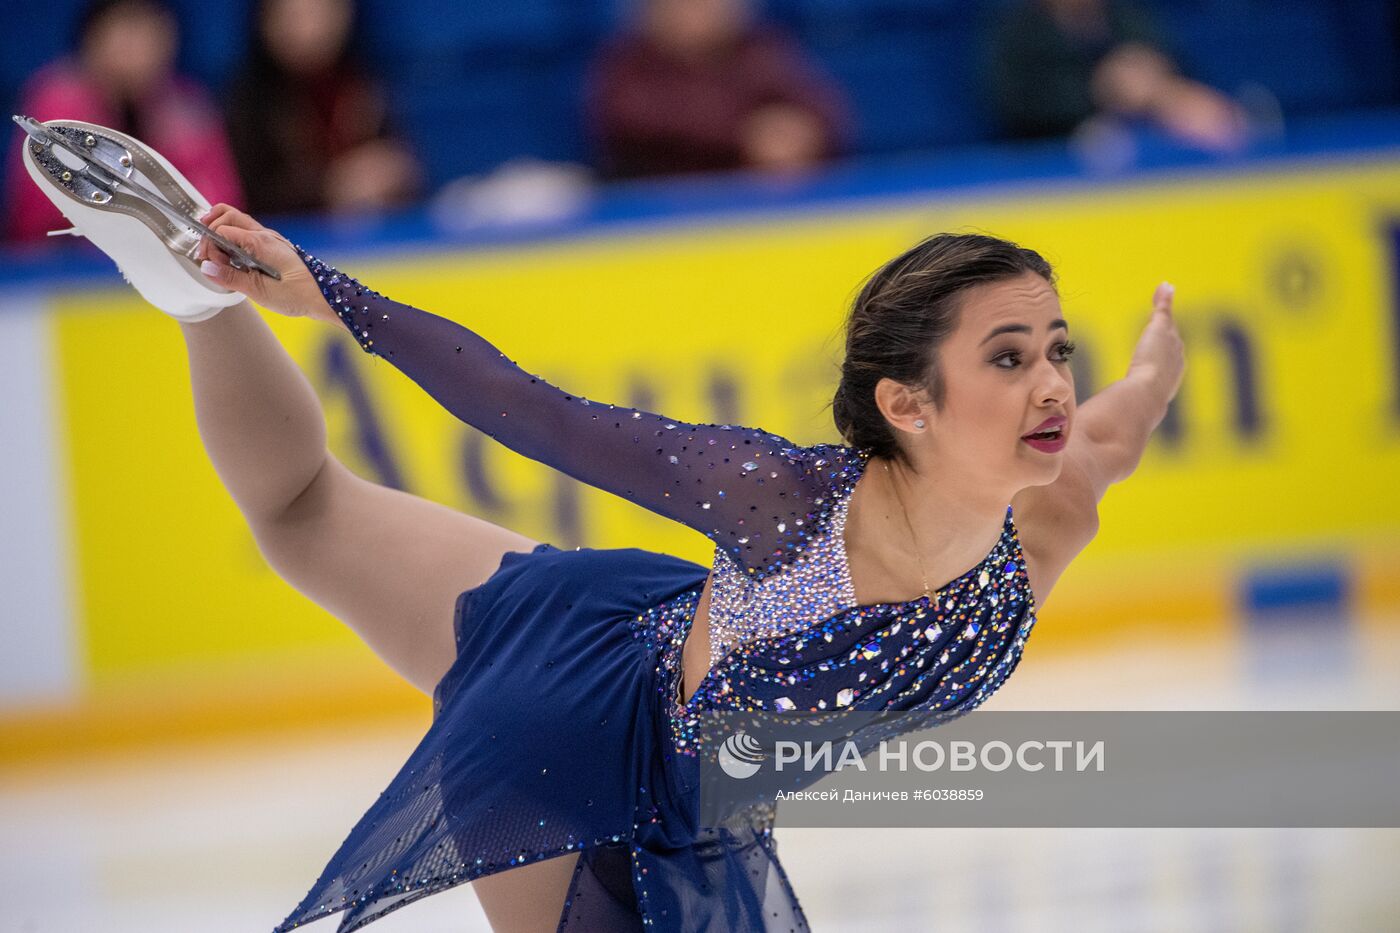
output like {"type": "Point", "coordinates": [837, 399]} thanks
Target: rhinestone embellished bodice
{"type": "Point", "coordinates": [800, 642]}
{"type": "Point", "coordinates": [815, 584]}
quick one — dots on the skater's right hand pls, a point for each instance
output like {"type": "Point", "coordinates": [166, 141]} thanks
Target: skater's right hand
{"type": "Point", "coordinates": [296, 295]}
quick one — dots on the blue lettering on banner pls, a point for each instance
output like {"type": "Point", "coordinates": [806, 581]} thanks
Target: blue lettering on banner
{"type": "Point", "coordinates": [343, 376]}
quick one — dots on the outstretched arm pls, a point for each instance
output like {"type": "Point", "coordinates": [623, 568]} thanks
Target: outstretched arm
{"type": "Point", "coordinates": [1116, 423]}
{"type": "Point", "coordinates": [753, 493]}
{"type": "Point", "coordinates": [1107, 440]}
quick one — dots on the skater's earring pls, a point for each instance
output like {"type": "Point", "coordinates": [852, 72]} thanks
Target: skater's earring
{"type": "Point", "coordinates": [919, 423]}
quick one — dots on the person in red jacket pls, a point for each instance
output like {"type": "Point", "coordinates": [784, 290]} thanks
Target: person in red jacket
{"type": "Point", "coordinates": [122, 75]}
{"type": "Point", "coordinates": [698, 86]}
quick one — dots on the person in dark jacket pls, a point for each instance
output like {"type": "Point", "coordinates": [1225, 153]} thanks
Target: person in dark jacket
{"type": "Point", "coordinates": [1057, 64]}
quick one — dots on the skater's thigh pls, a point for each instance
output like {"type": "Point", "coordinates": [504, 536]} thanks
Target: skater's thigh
{"type": "Point", "coordinates": [528, 899]}
{"type": "Point", "coordinates": [388, 564]}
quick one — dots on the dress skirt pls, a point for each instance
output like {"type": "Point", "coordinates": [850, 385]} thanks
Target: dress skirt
{"type": "Point", "coordinates": [552, 736]}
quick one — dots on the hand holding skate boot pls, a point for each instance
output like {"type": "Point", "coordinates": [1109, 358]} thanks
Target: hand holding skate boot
{"type": "Point", "coordinates": [134, 206]}
{"type": "Point", "coordinates": [294, 293]}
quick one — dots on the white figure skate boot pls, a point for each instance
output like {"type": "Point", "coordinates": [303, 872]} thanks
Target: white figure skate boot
{"type": "Point", "coordinates": [129, 201]}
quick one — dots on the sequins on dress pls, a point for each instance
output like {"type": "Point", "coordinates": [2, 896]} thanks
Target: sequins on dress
{"type": "Point", "coordinates": [560, 727]}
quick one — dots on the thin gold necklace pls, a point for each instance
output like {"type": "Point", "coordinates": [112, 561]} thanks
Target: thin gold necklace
{"type": "Point", "coordinates": [910, 525]}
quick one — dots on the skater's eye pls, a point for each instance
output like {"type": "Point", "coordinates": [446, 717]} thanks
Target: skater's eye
{"type": "Point", "coordinates": [1012, 358]}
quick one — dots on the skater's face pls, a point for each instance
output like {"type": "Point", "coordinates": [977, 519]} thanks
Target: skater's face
{"type": "Point", "coordinates": [1005, 370]}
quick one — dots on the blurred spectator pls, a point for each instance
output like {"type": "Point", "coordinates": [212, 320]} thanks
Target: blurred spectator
{"type": "Point", "coordinates": [309, 126]}
{"type": "Point", "coordinates": [1057, 64]}
{"type": "Point", "coordinates": [697, 86]}
{"type": "Point", "coordinates": [122, 76]}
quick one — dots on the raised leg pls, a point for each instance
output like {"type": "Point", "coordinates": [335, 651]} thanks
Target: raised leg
{"type": "Point", "coordinates": [388, 564]}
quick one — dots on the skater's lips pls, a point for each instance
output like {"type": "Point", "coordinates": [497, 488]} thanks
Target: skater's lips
{"type": "Point", "coordinates": [1054, 421]}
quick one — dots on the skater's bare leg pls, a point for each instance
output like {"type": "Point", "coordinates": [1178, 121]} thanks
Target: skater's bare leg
{"type": "Point", "coordinates": [527, 899]}
{"type": "Point", "coordinates": [388, 564]}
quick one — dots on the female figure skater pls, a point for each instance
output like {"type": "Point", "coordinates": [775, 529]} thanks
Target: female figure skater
{"type": "Point", "coordinates": [567, 685]}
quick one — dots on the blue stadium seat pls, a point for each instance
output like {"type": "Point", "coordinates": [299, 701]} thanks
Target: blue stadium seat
{"type": "Point", "coordinates": [1295, 48]}
{"type": "Point", "coordinates": [467, 120]}
{"type": "Point", "coordinates": [432, 26]}
{"type": "Point", "coordinates": [33, 34]}
{"type": "Point", "coordinates": [911, 89]}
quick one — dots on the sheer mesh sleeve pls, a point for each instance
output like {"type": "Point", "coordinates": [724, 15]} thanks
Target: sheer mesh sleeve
{"type": "Point", "coordinates": [755, 494]}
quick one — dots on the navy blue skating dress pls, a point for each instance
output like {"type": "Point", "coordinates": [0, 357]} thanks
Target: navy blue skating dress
{"type": "Point", "coordinates": [559, 730]}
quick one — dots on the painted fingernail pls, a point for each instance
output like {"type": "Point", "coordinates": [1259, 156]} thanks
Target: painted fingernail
{"type": "Point", "coordinates": [209, 268]}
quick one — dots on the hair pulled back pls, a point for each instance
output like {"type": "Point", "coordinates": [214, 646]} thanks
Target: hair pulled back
{"type": "Point", "coordinates": [901, 316]}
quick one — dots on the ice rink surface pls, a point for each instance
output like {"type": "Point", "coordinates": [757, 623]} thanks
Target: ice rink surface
{"type": "Point", "coordinates": [227, 837]}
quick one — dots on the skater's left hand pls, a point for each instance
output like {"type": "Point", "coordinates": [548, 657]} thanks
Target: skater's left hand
{"type": "Point", "coordinates": [295, 295]}
{"type": "Point", "coordinates": [1160, 355]}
